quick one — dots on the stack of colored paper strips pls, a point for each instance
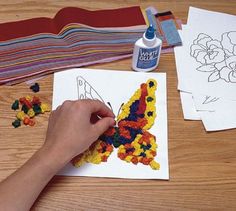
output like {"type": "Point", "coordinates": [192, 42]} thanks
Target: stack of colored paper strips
{"type": "Point", "coordinates": [73, 38]}
{"type": "Point", "coordinates": [206, 67]}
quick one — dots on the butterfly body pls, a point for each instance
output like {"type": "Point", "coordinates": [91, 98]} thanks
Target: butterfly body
{"type": "Point", "coordinates": [135, 144]}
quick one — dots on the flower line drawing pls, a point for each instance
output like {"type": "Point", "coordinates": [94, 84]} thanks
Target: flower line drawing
{"type": "Point", "coordinates": [216, 57]}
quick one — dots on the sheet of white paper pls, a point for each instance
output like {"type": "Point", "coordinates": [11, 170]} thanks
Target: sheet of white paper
{"type": "Point", "coordinates": [209, 54]}
{"type": "Point", "coordinates": [117, 87]}
{"type": "Point", "coordinates": [188, 106]}
{"type": "Point", "coordinates": [219, 119]}
{"type": "Point", "coordinates": [189, 110]}
{"type": "Point", "coordinates": [216, 113]}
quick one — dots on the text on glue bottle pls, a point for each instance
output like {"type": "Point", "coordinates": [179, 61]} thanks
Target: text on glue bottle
{"type": "Point", "coordinates": [147, 51]}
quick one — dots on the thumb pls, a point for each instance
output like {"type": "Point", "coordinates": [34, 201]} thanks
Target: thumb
{"type": "Point", "coordinates": [103, 124]}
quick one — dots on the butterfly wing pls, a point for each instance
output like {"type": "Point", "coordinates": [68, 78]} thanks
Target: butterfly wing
{"type": "Point", "coordinates": [141, 150]}
{"type": "Point", "coordinates": [141, 106]}
{"type": "Point", "coordinates": [97, 153]}
{"type": "Point", "coordinates": [86, 91]}
{"type": "Point", "coordinates": [135, 143]}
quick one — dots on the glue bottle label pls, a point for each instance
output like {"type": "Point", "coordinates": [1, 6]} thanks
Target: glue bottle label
{"type": "Point", "coordinates": [147, 57]}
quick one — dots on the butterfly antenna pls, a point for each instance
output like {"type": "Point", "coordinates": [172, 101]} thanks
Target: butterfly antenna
{"type": "Point", "coordinates": [120, 109]}
{"type": "Point", "coordinates": [110, 106]}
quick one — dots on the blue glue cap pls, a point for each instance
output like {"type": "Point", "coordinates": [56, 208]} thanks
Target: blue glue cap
{"type": "Point", "coordinates": [150, 32]}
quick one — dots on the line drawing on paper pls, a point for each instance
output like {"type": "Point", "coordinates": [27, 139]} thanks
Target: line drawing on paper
{"type": "Point", "coordinates": [86, 91]}
{"type": "Point", "coordinates": [209, 99]}
{"type": "Point", "coordinates": [216, 57]}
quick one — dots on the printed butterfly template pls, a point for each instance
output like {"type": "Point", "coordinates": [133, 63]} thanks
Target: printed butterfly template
{"type": "Point", "coordinates": [135, 144]}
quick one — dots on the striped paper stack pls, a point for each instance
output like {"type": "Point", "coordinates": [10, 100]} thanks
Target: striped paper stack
{"type": "Point", "coordinates": [73, 38]}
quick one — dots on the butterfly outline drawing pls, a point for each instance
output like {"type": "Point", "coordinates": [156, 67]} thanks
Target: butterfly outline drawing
{"type": "Point", "coordinates": [130, 135]}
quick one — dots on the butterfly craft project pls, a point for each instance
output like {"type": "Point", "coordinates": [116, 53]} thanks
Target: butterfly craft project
{"type": "Point", "coordinates": [130, 135]}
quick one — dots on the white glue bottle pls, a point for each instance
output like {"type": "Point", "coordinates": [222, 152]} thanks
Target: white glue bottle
{"type": "Point", "coordinates": [147, 51]}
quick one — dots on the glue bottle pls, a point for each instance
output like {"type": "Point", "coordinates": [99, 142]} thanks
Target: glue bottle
{"type": "Point", "coordinates": [147, 51]}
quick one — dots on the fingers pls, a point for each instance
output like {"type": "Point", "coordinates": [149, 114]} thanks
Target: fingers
{"type": "Point", "coordinates": [98, 107]}
{"type": "Point", "coordinates": [103, 124]}
{"type": "Point", "coordinates": [93, 106]}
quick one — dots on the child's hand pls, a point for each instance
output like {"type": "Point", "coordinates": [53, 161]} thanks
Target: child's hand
{"type": "Point", "coordinates": [74, 126]}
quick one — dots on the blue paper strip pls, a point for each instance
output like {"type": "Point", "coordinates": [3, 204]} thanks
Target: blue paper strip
{"type": "Point", "coordinates": [171, 33]}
